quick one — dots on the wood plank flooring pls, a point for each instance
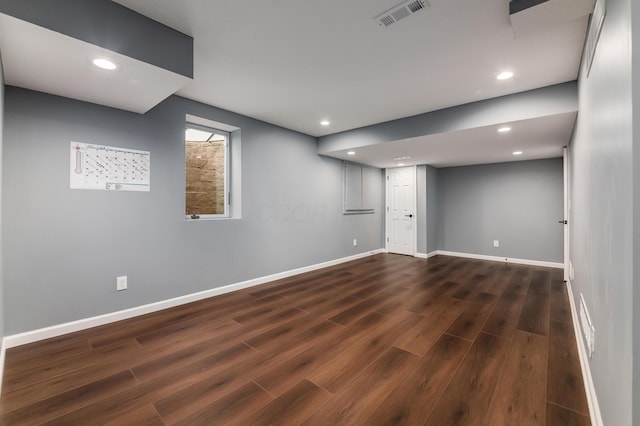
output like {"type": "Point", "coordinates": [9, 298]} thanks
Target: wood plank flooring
{"type": "Point", "coordinates": [384, 340]}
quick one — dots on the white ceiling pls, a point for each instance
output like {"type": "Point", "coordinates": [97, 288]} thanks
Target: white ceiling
{"type": "Point", "coordinates": [39, 59]}
{"type": "Point", "coordinates": [294, 63]}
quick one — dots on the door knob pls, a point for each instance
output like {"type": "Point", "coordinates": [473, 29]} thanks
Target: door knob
{"type": "Point", "coordinates": [564, 222]}
{"type": "Point", "coordinates": [408, 215]}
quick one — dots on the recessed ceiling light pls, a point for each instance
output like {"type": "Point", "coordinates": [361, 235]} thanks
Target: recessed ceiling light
{"type": "Point", "coordinates": [105, 64]}
{"type": "Point", "coordinates": [406, 157]}
{"type": "Point", "coordinates": [505, 75]}
{"type": "Point", "coordinates": [325, 123]}
{"type": "Point", "coordinates": [517, 152]}
{"type": "Point", "coordinates": [400, 164]}
{"type": "Point", "coordinates": [351, 153]}
{"type": "Point", "coordinates": [504, 129]}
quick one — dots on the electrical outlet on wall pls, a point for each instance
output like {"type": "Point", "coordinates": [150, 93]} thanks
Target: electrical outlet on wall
{"type": "Point", "coordinates": [496, 243]}
{"type": "Point", "coordinates": [121, 283]}
{"type": "Point", "coordinates": [355, 242]}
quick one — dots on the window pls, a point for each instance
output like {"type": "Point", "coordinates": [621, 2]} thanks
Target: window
{"type": "Point", "coordinates": [356, 188]}
{"type": "Point", "coordinates": [207, 172]}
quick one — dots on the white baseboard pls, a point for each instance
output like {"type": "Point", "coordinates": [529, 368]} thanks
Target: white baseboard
{"type": "Point", "coordinates": [503, 259]}
{"type": "Point", "coordinates": [426, 255]}
{"type": "Point", "coordinates": [73, 326]}
{"type": "Point", "coordinates": [592, 398]}
{"type": "Point", "coordinates": [3, 345]}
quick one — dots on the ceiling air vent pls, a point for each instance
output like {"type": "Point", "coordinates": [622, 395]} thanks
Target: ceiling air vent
{"type": "Point", "coordinates": [400, 11]}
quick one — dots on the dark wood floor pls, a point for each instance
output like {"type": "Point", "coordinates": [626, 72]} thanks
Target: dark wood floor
{"type": "Point", "coordinates": [385, 340]}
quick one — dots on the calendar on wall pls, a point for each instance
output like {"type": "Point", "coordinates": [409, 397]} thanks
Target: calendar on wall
{"type": "Point", "coordinates": [109, 168]}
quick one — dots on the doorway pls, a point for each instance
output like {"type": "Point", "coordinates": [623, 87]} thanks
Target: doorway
{"type": "Point", "coordinates": [401, 210]}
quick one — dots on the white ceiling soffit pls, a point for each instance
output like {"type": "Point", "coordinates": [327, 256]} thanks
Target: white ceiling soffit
{"type": "Point", "coordinates": [537, 138]}
{"type": "Point", "coordinates": [294, 63]}
{"type": "Point", "coordinates": [39, 59]}
{"type": "Point", "coordinates": [549, 13]}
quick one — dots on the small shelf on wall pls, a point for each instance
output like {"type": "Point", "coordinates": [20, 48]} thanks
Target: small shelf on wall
{"type": "Point", "coordinates": [357, 198]}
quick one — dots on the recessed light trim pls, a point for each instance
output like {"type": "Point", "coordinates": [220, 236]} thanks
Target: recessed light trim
{"type": "Point", "coordinates": [325, 122]}
{"type": "Point", "coordinates": [351, 153]}
{"type": "Point", "coordinates": [406, 157]}
{"type": "Point", "coordinates": [400, 164]}
{"type": "Point", "coordinates": [504, 129]}
{"type": "Point", "coordinates": [505, 75]}
{"type": "Point", "coordinates": [517, 152]}
{"type": "Point", "coordinates": [105, 64]}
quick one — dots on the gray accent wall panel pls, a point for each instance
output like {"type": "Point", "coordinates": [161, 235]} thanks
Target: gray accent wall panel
{"type": "Point", "coordinates": [602, 222]}
{"type": "Point", "coordinates": [64, 248]}
{"type": "Point", "coordinates": [517, 203]}
{"type": "Point", "coordinates": [111, 26]}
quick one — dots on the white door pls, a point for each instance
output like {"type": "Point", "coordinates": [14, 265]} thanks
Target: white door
{"type": "Point", "coordinates": [401, 214]}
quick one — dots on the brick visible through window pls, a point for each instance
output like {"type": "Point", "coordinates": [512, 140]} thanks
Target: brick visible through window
{"type": "Point", "coordinates": [206, 172]}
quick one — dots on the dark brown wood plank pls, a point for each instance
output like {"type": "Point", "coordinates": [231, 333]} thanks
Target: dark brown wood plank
{"type": "Point", "coordinates": [174, 361]}
{"type": "Point", "coordinates": [125, 402]}
{"type": "Point", "coordinates": [66, 402]}
{"type": "Point", "coordinates": [565, 386]}
{"type": "Point", "coordinates": [231, 408]}
{"type": "Point", "coordinates": [334, 375]}
{"type": "Point", "coordinates": [504, 318]}
{"type": "Point", "coordinates": [519, 397]}
{"type": "Point", "coordinates": [292, 407]}
{"type": "Point", "coordinates": [466, 398]}
{"type": "Point", "coordinates": [410, 402]}
{"type": "Point", "coordinates": [473, 318]}
{"type": "Point", "coordinates": [38, 372]}
{"type": "Point", "coordinates": [292, 370]}
{"type": "Point", "coordinates": [534, 317]}
{"type": "Point", "coordinates": [356, 401]}
{"type": "Point", "coordinates": [420, 338]}
{"type": "Point", "coordinates": [145, 416]}
{"type": "Point", "coordinates": [560, 307]}
{"type": "Point", "coordinates": [564, 417]}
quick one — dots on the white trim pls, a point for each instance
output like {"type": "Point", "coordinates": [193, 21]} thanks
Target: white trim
{"type": "Point", "coordinates": [503, 259]}
{"type": "Point", "coordinates": [414, 219]}
{"type": "Point", "coordinates": [590, 390]}
{"type": "Point", "coordinates": [426, 255]}
{"type": "Point", "coordinates": [70, 327]}
{"type": "Point", "coordinates": [3, 350]}
{"type": "Point", "coordinates": [415, 209]}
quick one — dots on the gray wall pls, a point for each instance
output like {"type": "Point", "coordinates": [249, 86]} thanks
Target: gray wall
{"type": "Point", "coordinates": [432, 208]}
{"type": "Point", "coordinates": [517, 203]}
{"type": "Point", "coordinates": [64, 248]}
{"type": "Point", "coordinates": [601, 218]}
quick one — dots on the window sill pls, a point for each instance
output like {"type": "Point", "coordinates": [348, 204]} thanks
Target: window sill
{"type": "Point", "coordinates": [205, 218]}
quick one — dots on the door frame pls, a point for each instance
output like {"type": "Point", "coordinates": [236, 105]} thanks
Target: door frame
{"type": "Point", "coordinates": [567, 208]}
{"type": "Point", "coordinates": [414, 219]}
